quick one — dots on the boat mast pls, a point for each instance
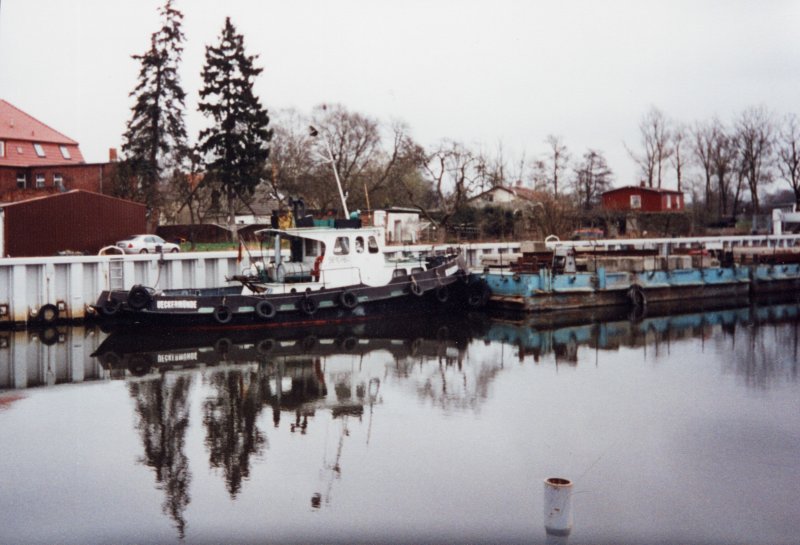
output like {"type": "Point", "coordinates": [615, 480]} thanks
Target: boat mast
{"type": "Point", "coordinates": [314, 133]}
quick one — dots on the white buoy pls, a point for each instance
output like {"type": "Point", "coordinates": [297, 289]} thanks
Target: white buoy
{"type": "Point", "coordinates": [557, 506]}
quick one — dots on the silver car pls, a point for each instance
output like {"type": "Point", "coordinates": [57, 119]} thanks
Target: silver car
{"type": "Point", "coordinates": [143, 244]}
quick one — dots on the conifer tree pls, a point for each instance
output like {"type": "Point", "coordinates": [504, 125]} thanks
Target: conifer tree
{"type": "Point", "coordinates": [235, 146]}
{"type": "Point", "coordinates": [155, 140]}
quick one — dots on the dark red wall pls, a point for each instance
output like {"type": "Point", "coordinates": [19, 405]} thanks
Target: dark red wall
{"type": "Point", "coordinates": [79, 221]}
{"type": "Point", "coordinates": [652, 200]}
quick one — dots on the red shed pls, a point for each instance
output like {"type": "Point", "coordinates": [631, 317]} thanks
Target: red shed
{"type": "Point", "coordinates": [79, 221]}
{"type": "Point", "coordinates": [643, 199]}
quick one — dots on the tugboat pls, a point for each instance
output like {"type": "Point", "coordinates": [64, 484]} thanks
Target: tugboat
{"type": "Point", "coordinates": [330, 275]}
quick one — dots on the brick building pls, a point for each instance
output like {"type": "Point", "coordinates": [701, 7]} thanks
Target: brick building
{"type": "Point", "coordinates": [37, 160]}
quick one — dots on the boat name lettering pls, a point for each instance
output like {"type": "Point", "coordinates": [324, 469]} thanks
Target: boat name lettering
{"type": "Point", "coordinates": [186, 303]}
{"type": "Point", "coordinates": [173, 358]}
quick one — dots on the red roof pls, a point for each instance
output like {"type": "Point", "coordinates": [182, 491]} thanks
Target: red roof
{"type": "Point", "coordinates": [20, 131]}
{"type": "Point", "coordinates": [643, 188]}
{"type": "Point", "coordinates": [17, 125]}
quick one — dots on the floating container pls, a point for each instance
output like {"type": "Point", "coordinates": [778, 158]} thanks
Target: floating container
{"type": "Point", "coordinates": [557, 506]}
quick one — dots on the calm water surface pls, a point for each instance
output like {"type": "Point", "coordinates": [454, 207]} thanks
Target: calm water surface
{"type": "Point", "coordinates": [674, 429]}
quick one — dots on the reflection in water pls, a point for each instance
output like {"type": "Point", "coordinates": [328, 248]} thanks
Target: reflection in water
{"type": "Point", "coordinates": [163, 417]}
{"type": "Point", "coordinates": [229, 417]}
{"type": "Point", "coordinates": [294, 379]}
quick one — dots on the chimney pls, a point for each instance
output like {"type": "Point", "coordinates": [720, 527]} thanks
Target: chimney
{"type": "Point", "coordinates": [112, 155]}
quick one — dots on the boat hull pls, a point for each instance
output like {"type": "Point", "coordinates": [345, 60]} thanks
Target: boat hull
{"type": "Point", "coordinates": [544, 291]}
{"type": "Point", "coordinates": [437, 289]}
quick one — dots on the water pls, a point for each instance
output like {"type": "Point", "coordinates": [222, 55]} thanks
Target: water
{"type": "Point", "coordinates": [673, 429]}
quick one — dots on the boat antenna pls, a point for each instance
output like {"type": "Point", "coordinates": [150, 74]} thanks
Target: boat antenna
{"type": "Point", "coordinates": [314, 133]}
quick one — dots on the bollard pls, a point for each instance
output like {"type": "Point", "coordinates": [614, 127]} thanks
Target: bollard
{"type": "Point", "coordinates": [557, 506]}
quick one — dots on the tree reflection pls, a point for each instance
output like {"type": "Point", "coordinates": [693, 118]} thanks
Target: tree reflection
{"type": "Point", "coordinates": [229, 417]}
{"type": "Point", "coordinates": [163, 417]}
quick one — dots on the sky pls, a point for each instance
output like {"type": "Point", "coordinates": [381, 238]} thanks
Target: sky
{"type": "Point", "coordinates": [488, 73]}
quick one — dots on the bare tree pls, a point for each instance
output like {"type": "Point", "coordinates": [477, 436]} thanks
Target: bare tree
{"type": "Point", "coordinates": [788, 153]}
{"type": "Point", "coordinates": [724, 158]}
{"type": "Point", "coordinates": [755, 137]}
{"type": "Point", "coordinates": [451, 169]}
{"type": "Point", "coordinates": [680, 151]}
{"type": "Point", "coordinates": [703, 141]}
{"type": "Point", "coordinates": [592, 177]}
{"type": "Point", "coordinates": [655, 135]}
{"type": "Point", "coordinates": [556, 161]}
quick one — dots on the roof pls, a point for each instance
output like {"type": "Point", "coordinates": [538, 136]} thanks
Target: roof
{"type": "Point", "coordinates": [89, 194]}
{"type": "Point", "coordinates": [17, 125]}
{"type": "Point", "coordinates": [642, 188]}
{"type": "Point", "coordinates": [523, 193]}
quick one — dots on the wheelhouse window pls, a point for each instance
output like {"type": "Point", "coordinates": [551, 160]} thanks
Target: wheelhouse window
{"type": "Point", "coordinates": [58, 181]}
{"type": "Point", "coordinates": [341, 246]}
{"type": "Point", "coordinates": [22, 181]}
{"type": "Point", "coordinates": [39, 181]}
{"type": "Point", "coordinates": [65, 152]}
{"type": "Point", "coordinates": [360, 245]}
{"type": "Point", "coordinates": [372, 244]}
{"type": "Point", "coordinates": [37, 147]}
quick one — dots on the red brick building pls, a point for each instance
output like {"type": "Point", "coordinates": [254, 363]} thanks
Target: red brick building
{"type": "Point", "coordinates": [36, 160]}
{"type": "Point", "coordinates": [643, 199]}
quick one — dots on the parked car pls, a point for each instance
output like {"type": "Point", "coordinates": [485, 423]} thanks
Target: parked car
{"type": "Point", "coordinates": [143, 244]}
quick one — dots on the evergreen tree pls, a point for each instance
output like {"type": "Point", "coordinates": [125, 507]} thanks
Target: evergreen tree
{"type": "Point", "coordinates": [155, 140]}
{"type": "Point", "coordinates": [235, 147]}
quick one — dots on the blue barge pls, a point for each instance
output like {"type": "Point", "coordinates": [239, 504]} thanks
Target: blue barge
{"type": "Point", "coordinates": [569, 283]}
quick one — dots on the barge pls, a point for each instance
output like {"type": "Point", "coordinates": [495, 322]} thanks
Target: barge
{"type": "Point", "coordinates": [562, 278]}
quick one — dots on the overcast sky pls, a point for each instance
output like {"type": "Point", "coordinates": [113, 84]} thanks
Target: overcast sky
{"type": "Point", "coordinates": [480, 72]}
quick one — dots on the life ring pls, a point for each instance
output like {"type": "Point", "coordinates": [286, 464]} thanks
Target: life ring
{"type": "Point", "coordinates": [265, 310]}
{"type": "Point", "coordinates": [110, 308]}
{"type": "Point", "coordinates": [48, 314]}
{"type": "Point", "coordinates": [348, 299]}
{"type": "Point", "coordinates": [223, 314]}
{"type": "Point", "coordinates": [308, 305]}
{"type": "Point", "coordinates": [637, 296]}
{"type": "Point", "coordinates": [442, 294]}
{"type": "Point", "coordinates": [316, 268]}
{"type": "Point", "coordinates": [138, 297]}
{"type": "Point", "coordinates": [415, 288]}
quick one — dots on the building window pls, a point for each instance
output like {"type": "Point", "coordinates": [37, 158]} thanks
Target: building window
{"type": "Point", "coordinates": [39, 181]}
{"type": "Point", "coordinates": [22, 180]}
{"type": "Point", "coordinates": [38, 149]}
{"type": "Point", "coordinates": [58, 181]}
{"type": "Point", "coordinates": [2, 148]}
{"type": "Point", "coordinates": [636, 201]}
{"type": "Point", "coordinates": [65, 152]}
{"type": "Point", "coordinates": [669, 201]}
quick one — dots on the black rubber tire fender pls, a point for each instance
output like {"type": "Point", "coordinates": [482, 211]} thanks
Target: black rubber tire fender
{"type": "Point", "coordinates": [415, 288]}
{"type": "Point", "coordinates": [348, 299]}
{"type": "Point", "coordinates": [48, 314]}
{"type": "Point", "coordinates": [308, 305]}
{"type": "Point", "coordinates": [138, 297]}
{"type": "Point", "coordinates": [222, 314]}
{"type": "Point", "coordinates": [265, 310]}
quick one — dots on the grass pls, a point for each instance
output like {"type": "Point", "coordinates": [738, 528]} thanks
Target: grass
{"type": "Point", "coordinates": [215, 247]}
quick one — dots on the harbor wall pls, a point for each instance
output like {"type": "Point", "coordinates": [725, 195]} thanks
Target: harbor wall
{"type": "Point", "coordinates": [71, 283]}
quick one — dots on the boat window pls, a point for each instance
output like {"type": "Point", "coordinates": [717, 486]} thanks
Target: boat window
{"type": "Point", "coordinates": [314, 248]}
{"type": "Point", "coordinates": [399, 273]}
{"type": "Point", "coordinates": [342, 246]}
{"type": "Point", "coordinates": [373, 245]}
{"type": "Point", "coordinates": [359, 245]}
